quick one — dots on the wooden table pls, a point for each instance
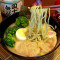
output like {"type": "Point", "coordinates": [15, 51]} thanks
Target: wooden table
{"type": "Point", "coordinates": [6, 55]}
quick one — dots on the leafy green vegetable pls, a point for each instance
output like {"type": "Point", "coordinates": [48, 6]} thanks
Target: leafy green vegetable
{"type": "Point", "coordinates": [22, 22]}
{"type": "Point", "coordinates": [11, 30]}
{"type": "Point", "coordinates": [9, 40]}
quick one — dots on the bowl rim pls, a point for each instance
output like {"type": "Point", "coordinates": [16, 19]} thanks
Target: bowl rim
{"type": "Point", "coordinates": [35, 56]}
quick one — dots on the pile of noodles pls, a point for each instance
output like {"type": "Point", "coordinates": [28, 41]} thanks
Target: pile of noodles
{"type": "Point", "coordinates": [38, 18]}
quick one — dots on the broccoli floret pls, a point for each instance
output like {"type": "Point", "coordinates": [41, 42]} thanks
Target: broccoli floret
{"type": "Point", "coordinates": [22, 22]}
{"type": "Point", "coordinates": [9, 40]}
{"type": "Point", "coordinates": [11, 30]}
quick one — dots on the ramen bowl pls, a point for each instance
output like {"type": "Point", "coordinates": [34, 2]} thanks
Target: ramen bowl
{"type": "Point", "coordinates": [10, 20]}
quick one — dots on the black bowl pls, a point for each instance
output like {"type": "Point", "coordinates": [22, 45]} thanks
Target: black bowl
{"type": "Point", "coordinates": [5, 24]}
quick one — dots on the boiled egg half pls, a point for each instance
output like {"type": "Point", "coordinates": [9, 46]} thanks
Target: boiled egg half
{"type": "Point", "coordinates": [21, 34]}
